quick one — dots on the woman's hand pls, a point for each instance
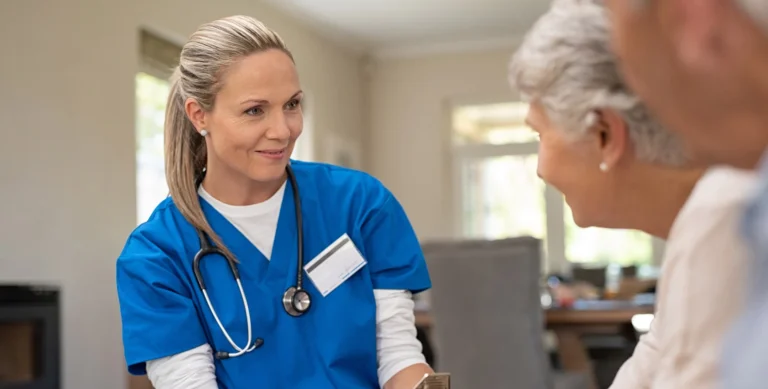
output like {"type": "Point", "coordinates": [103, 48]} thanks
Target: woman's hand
{"type": "Point", "coordinates": [408, 377]}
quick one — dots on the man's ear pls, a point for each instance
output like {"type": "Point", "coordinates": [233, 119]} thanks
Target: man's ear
{"type": "Point", "coordinates": [612, 134]}
{"type": "Point", "coordinates": [195, 113]}
{"type": "Point", "coordinates": [697, 31]}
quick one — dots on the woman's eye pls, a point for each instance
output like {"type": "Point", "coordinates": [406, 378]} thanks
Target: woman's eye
{"type": "Point", "coordinates": [254, 111]}
{"type": "Point", "coordinates": [293, 104]}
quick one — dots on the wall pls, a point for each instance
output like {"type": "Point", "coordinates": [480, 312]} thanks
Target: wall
{"type": "Point", "coordinates": [409, 145]}
{"type": "Point", "coordinates": [67, 201]}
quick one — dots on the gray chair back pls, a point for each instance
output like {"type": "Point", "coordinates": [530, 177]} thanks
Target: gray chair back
{"type": "Point", "coordinates": [486, 307]}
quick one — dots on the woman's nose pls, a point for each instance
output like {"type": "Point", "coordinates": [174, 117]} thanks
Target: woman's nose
{"type": "Point", "coordinates": [278, 128]}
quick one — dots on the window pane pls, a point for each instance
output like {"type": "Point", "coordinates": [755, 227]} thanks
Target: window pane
{"type": "Point", "coordinates": [603, 246]}
{"type": "Point", "coordinates": [492, 124]}
{"type": "Point", "coordinates": [151, 187]}
{"type": "Point", "coordinates": [502, 197]}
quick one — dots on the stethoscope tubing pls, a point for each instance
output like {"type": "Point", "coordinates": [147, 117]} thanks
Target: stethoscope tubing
{"type": "Point", "coordinates": [206, 248]}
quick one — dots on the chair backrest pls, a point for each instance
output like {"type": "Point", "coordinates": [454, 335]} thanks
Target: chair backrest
{"type": "Point", "coordinates": [486, 307]}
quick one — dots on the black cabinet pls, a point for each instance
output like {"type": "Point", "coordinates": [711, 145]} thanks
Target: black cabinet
{"type": "Point", "coordinates": [30, 355]}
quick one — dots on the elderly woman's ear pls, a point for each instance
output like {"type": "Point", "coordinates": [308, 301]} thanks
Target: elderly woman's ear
{"type": "Point", "coordinates": [610, 133]}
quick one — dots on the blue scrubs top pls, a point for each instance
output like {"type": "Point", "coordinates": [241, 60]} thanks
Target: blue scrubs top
{"type": "Point", "coordinates": [331, 346]}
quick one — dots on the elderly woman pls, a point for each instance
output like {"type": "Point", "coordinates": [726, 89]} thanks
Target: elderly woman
{"type": "Point", "coordinates": [618, 168]}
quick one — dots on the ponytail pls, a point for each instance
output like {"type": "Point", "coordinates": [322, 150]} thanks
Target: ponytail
{"type": "Point", "coordinates": [185, 159]}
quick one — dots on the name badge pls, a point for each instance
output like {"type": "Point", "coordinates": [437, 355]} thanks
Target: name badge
{"type": "Point", "coordinates": [334, 265]}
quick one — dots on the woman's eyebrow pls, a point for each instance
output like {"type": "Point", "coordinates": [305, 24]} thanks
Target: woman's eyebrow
{"type": "Point", "coordinates": [253, 100]}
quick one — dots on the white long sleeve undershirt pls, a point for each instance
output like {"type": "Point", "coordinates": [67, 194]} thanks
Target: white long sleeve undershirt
{"type": "Point", "coordinates": [396, 349]}
{"type": "Point", "coordinates": [396, 344]}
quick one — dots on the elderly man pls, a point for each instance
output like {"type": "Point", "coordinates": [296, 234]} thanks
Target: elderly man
{"type": "Point", "coordinates": [701, 67]}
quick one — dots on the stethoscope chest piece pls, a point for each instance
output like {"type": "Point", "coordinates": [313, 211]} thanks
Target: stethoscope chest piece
{"type": "Point", "coordinates": [296, 301]}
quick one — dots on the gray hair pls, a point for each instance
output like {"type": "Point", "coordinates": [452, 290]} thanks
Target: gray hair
{"type": "Point", "coordinates": [566, 63]}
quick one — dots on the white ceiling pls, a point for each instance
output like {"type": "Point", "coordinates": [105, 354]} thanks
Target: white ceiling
{"type": "Point", "coordinates": [394, 26]}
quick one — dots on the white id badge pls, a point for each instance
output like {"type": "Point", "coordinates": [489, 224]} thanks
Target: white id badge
{"type": "Point", "coordinates": [334, 265]}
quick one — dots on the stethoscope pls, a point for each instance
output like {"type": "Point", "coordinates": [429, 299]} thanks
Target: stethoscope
{"type": "Point", "coordinates": [296, 300]}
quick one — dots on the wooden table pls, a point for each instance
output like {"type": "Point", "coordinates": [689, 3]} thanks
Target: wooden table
{"type": "Point", "coordinates": [571, 324]}
{"type": "Point", "coordinates": [589, 318]}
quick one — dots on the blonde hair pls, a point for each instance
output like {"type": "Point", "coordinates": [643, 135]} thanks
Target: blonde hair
{"type": "Point", "coordinates": [205, 58]}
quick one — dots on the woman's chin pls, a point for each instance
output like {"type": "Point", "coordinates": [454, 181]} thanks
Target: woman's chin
{"type": "Point", "coordinates": [580, 220]}
{"type": "Point", "coordinates": [581, 223]}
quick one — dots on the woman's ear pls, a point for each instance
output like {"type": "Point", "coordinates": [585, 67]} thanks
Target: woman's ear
{"type": "Point", "coordinates": [612, 135]}
{"type": "Point", "coordinates": [195, 113]}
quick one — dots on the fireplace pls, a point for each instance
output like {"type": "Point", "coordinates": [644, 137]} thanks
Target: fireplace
{"type": "Point", "coordinates": [29, 337]}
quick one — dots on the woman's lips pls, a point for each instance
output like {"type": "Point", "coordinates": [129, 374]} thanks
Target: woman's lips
{"type": "Point", "coordinates": [272, 154]}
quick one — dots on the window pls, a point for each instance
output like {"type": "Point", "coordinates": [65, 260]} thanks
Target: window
{"type": "Point", "coordinates": [151, 187]}
{"type": "Point", "coordinates": [501, 196]}
{"type": "Point", "coordinates": [157, 57]}
{"type": "Point", "coordinates": [599, 245]}
{"type": "Point", "coordinates": [497, 187]}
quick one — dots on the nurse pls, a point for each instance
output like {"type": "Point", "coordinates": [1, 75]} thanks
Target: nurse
{"type": "Point", "coordinates": [234, 114]}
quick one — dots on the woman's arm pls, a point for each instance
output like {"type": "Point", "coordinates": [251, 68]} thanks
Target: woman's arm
{"type": "Point", "coordinates": [159, 317]}
{"type": "Point", "coordinates": [191, 369]}
{"type": "Point", "coordinates": [408, 377]}
{"type": "Point", "coordinates": [401, 362]}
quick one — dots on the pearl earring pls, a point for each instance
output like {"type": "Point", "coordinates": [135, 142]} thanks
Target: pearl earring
{"type": "Point", "coordinates": [603, 167]}
{"type": "Point", "coordinates": [203, 132]}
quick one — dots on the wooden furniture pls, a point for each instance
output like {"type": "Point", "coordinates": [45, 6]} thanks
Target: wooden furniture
{"type": "Point", "coordinates": [589, 318]}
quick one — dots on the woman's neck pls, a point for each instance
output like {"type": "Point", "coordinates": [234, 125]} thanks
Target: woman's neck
{"type": "Point", "coordinates": [233, 188]}
{"type": "Point", "coordinates": [655, 197]}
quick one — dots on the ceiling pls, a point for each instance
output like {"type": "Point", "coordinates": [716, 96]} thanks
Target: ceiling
{"type": "Point", "coordinates": [393, 26]}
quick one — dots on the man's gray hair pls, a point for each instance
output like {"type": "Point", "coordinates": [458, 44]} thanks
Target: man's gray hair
{"type": "Point", "coordinates": [566, 63]}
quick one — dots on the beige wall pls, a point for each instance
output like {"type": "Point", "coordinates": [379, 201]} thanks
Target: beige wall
{"type": "Point", "coordinates": [67, 201]}
{"type": "Point", "coordinates": [409, 145]}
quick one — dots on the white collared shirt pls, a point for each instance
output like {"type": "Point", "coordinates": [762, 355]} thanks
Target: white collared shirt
{"type": "Point", "coordinates": [701, 289]}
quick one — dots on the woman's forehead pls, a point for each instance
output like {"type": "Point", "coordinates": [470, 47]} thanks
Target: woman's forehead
{"type": "Point", "coordinates": [263, 75]}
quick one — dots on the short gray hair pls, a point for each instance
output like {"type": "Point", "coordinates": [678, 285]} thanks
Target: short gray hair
{"type": "Point", "coordinates": [566, 63]}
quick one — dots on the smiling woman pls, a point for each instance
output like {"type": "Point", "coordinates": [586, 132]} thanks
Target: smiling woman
{"type": "Point", "coordinates": [233, 116]}
{"type": "Point", "coordinates": [500, 194]}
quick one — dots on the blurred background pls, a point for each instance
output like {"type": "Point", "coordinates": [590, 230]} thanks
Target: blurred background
{"type": "Point", "coordinates": [413, 92]}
